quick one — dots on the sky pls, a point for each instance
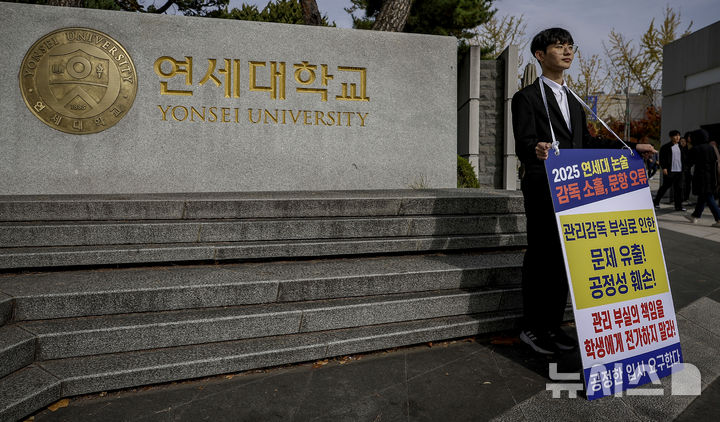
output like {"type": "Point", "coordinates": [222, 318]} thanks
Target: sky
{"type": "Point", "coordinates": [589, 21]}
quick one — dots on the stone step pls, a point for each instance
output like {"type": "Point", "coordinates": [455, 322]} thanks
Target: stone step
{"type": "Point", "coordinates": [133, 290]}
{"type": "Point", "coordinates": [70, 337]}
{"type": "Point", "coordinates": [6, 307]}
{"type": "Point", "coordinates": [25, 391]}
{"type": "Point", "coordinates": [44, 257]}
{"type": "Point", "coordinates": [17, 349]}
{"type": "Point", "coordinates": [257, 205]}
{"type": "Point", "coordinates": [85, 233]}
{"type": "Point", "coordinates": [31, 388]}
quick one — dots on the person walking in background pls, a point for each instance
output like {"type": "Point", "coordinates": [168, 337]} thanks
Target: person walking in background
{"type": "Point", "coordinates": [652, 165]}
{"type": "Point", "coordinates": [687, 174]}
{"type": "Point", "coordinates": [671, 163]}
{"type": "Point", "coordinates": [717, 190]}
{"type": "Point", "coordinates": [704, 159]}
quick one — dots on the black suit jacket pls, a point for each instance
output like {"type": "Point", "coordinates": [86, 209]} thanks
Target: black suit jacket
{"type": "Point", "coordinates": [530, 126]}
{"type": "Point", "coordinates": [666, 157]}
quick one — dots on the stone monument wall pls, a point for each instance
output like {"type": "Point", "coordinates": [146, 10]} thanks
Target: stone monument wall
{"type": "Point", "coordinates": [485, 89]}
{"type": "Point", "coordinates": [116, 102]}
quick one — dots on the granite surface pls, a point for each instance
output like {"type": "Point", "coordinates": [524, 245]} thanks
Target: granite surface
{"type": "Point", "coordinates": [399, 131]}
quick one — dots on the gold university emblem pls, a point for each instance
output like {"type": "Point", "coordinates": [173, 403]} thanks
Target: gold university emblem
{"type": "Point", "coordinates": [78, 80]}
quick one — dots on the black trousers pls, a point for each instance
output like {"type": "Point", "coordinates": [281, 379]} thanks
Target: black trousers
{"type": "Point", "coordinates": [674, 179]}
{"type": "Point", "coordinates": [687, 184]}
{"type": "Point", "coordinates": [544, 280]}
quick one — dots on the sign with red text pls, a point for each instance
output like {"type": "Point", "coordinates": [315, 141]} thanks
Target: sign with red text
{"type": "Point", "coordinates": [624, 312]}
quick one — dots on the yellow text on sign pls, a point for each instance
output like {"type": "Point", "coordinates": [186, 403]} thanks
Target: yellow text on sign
{"type": "Point", "coordinates": [613, 257]}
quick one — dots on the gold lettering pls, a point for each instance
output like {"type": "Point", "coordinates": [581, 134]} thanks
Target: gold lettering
{"type": "Point", "coordinates": [216, 114]}
{"type": "Point", "coordinates": [112, 50]}
{"type": "Point", "coordinates": [277, 79]}
{"type": "Point", "coordinates": [319, 118]}
{"type": "Point", "coordinates": [273, 118]}
{"type": "Point", "coordinates": [176, 68]}
{"type": "Point", "coordinates": [106, 45]}
{"type": "Point", "coordinates": [251, 118]}
{"type": "Point", "coordinates": [185, 110]}
{"type": "Point", "coordinates": [352, 96]}
{"type": "Point", "coordinates": [194, 111]}
{"type": "Point", "coordinates": [164, 112]}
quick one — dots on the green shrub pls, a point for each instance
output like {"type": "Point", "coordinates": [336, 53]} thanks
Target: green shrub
{"type": "Point", "coordinates": [466, 174]}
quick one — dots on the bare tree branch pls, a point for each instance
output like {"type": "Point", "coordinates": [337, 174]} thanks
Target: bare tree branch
{"type": "Point", "coordinates": [498, 34]}
{"type": "Point", "coordinates": [639, 67]}
{"type": "Point", "coordinates": [165, 6]}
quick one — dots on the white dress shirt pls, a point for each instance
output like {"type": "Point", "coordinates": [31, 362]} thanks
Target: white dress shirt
{"type": "Point", "coordinates": [676, 163]}
{"type": "Point", "coordinates": [560, 93]}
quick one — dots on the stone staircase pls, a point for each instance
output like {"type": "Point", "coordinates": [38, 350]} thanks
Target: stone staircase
{"type": "Point", "coordinates": [107, 292]}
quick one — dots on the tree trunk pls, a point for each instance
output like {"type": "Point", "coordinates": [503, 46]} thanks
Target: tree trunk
{"type": "Point", "coordinates": [393, 15]}
{"type": "Point", "coordinates": [311, 14]}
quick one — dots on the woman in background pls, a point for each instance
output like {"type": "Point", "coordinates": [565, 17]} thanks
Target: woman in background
{"type": "Point", "coordinates": [703, 158]}
{"type": "Point", "coordinates": [687, 174]}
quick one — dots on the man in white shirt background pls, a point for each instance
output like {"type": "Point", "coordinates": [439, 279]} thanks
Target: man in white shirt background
{"type": "Point", "coordinates": [671, 161]}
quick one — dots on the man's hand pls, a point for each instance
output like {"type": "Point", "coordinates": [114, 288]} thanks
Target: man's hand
{"type": "Point", "coordinates": [542, 150]}
{"type": "Point", "coordinates": [665, 172]}
{"type": "Point", "coordinates": [646, 150]}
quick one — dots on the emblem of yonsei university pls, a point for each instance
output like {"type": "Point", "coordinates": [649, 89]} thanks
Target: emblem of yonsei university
{"type": "Point", "coordinates": [78, 80]}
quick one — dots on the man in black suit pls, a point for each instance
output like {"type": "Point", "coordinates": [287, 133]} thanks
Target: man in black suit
{"type": "Point", "coordinates": [544, 281]}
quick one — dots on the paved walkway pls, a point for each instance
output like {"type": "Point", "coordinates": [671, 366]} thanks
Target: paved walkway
{"type": "Point", "coordinates": [485, 378]}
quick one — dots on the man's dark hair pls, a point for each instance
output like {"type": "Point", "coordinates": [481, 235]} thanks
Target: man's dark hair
{"type": "Point", "coordinates": [673, 133]}
{"type": "Point", "coordinates": [550, 37]}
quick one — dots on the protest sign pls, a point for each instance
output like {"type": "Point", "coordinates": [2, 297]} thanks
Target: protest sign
{"type": "Point", "coordinates": [624, 312]}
